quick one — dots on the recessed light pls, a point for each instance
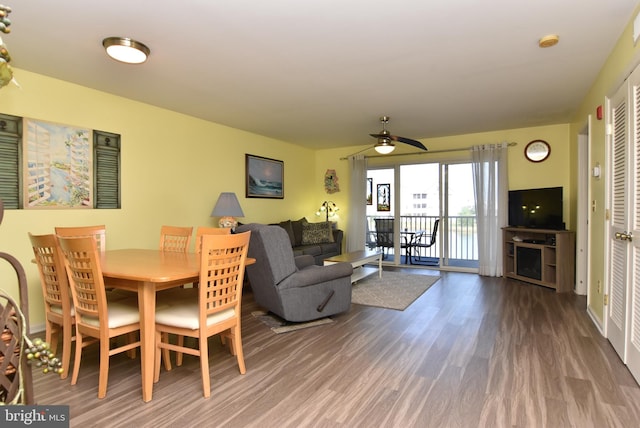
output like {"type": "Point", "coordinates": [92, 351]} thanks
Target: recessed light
{"type": "Point", "coordinates": [126, 50]}
{"type": "Point", "coordinates": [548, 41]}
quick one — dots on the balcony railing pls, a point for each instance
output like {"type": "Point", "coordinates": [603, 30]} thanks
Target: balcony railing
{"type": "Point", "coordinates": [461, 233]}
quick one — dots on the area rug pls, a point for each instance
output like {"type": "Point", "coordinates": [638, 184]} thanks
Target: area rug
{"type": "Point", "coordinates": [278, 325]}
{"type": "Point", "coordinates": [394, 290]}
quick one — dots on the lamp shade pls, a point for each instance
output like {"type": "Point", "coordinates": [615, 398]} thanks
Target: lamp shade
{"type": "Point", "coordinates": [227, 206]}
{"type": "Point", "coordinates": [384, 147]}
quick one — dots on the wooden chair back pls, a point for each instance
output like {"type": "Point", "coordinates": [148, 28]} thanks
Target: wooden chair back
{"type": "Point", "coordinates": [99, 232]}
{"type": "Point", "coordinates": [175, 239]}
{"type": "Point", "coordinates": [82, 262]}
{"type": "Point", "coordinates": [222, 263]}
{"type": "Point", "coordinates": [53, 277]}
{"type": "Point", "coordinates": [204, 230]}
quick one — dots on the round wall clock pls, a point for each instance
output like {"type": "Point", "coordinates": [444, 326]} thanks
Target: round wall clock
{"type": "Point", "coordinates": [537, 150]}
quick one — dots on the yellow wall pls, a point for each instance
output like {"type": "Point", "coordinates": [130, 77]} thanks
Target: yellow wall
{"type": "Point", "coordinates": [618, 66]}
{"type": "Point", "coordinates": [173, 168]}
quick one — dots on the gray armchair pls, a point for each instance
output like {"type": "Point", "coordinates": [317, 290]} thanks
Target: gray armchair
{"type": "Point", "coordinates": [294, 288]}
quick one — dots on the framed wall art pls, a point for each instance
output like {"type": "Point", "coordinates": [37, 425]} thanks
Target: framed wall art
{"type": "Point", "coordinates": [264, 177]}
{"type": "Point", "coordinates": [58, 168]}
{"type": "Point", "coordinates": [369, 191]}
{"type": "Point", "coordinates": [384, 197]}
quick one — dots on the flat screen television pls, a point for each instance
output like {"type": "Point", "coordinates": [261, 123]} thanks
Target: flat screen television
{"type": "Point", "coordinates": [536, 208]}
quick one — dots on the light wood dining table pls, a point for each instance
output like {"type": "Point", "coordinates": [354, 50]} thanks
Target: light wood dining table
{"type": "Point", "coordinates": [145, 272]}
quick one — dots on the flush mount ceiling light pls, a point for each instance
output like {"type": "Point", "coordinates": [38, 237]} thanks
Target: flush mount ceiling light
{"type": "Point", "coordinates": [126, 50]}
{"type": "Point", "coordinates": [548, 41]}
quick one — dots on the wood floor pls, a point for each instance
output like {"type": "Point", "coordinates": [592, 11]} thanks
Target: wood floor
{"type": "Point", "coordinates": [470, 352]}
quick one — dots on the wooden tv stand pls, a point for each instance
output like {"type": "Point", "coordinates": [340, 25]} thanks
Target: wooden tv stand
{"type": "Point", "coordinates": [540, 256]}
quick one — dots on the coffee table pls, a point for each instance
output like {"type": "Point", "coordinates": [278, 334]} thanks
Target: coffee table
{"type": "Point", "coordinates": [358, 260]}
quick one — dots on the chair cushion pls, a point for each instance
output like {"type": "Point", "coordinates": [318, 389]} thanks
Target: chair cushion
{"type": "Point", "coordinates": [185, 314]}
{"type": "Point", "coordinates": [317, 233]}
{"type": "Point", "coordinates": [58, 309]}
{"type": "Point", "coordinates": [120, 312]}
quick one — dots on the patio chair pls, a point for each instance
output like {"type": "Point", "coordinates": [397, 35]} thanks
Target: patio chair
{"type": "Point", "coordinates": [384, 234]}
{"type": "Point", "coordinates": [420, 243]}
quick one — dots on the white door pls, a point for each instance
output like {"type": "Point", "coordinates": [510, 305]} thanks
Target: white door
{"type": "Point", "coordinates": [633, 307]}
{"type": "Point", "coordinates": [618, 249]}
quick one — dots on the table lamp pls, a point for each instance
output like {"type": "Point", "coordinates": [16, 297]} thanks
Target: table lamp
{"type": "Point", "coordinates": [227, 208]}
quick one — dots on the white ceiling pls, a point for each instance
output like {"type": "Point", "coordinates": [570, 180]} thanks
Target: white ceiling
{"type": "Point", "coordinates": [320, 72]}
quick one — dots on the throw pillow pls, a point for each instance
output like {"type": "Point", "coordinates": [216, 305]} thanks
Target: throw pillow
{"type": "Point", "coordinates": [317, 233]}
{"type": "Point", "coordinates": [286, 225]}
{"type": "Point", "coordinates": [297, 230]}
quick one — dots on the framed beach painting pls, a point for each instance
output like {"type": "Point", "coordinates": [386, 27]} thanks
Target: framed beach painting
{"type": "Point", "coordinates": [57, 165]}
{"type": "Point", "coordinates": [264, 177]}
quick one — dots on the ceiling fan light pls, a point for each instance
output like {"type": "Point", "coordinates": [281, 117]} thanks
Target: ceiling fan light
{"type": "Point", "coordinates": [126, 50]}
{"type": "Point", "coordinates": [384, 147]}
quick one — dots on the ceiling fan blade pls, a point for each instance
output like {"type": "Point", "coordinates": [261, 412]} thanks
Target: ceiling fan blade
{"type": "Point", "coordinates": [409, 141]}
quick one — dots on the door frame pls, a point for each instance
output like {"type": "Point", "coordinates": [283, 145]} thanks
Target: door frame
{"type": "Point", "coordinates": [583, 235]}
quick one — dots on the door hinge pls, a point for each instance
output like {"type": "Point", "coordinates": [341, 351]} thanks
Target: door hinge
{"type": "Point", "coordinates": [606, 299]}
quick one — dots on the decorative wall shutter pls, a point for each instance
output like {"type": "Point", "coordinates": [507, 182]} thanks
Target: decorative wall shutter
{"type": "Point", "coordinates": [106, 163]}
{"type": "Point", "coordinates": [10, 161]}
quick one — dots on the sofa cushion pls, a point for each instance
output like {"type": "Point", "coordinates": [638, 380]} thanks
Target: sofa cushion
{"type": "Point", "coordinates": [288, 227]}
{"type": "Point", "coordinates": [296, 225]}
{"type": "Point", "coordinates": [311, 250]}
{"type": "Point", "coordinates": [317, 233]}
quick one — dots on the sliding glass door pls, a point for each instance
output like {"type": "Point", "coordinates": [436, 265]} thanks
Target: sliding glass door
{"type": "Point", "coordinates": [431, 213]}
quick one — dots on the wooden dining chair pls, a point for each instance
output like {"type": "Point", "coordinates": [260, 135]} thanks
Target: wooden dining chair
{"type": "Point", "coordinates": [204, 230]}
{"type": "Point", "coordinates": [200, 232]}
{"type": "Point", "coordinates": [58, 304]}
{"type": "Point", "coordinates": [96, 318]}
{"type": "Point", "coordinates": [99, 232]}
{"type": "Point", "coordinates": [216, 310]}
{"type": "Point", "coordinates": [175, 238]}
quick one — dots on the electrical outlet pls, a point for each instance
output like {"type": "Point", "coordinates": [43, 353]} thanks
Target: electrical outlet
{"type": "Point", "coordinates": [593, 205]}
{"type": "Point", "coordinates": [599, 287]}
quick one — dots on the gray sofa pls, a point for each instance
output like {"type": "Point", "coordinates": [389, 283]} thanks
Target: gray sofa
{"type": "Point", "coordinates": [319, 240]}
{"type": "Point", "coordinates": [294, 288]}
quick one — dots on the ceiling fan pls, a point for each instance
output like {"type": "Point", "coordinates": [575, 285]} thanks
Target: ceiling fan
{"type": "Point", "coordinates": [385, 139]}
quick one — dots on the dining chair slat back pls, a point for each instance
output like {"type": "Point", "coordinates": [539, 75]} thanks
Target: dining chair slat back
{"type": "Point", "coordinates": [175, 238]}
{"type": "Point", "coordinates": [203, 230]}
{"type": "Point", "coordinates": [99, 232]}
{"type": "Point", "coordinates": [58, 304]}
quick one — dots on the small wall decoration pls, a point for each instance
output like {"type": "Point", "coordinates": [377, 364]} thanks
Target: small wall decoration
{"type": "Point", "coordinates": [384, 197]}
{"type": "Point", "coordinates": [369, 191]}
{"type": "Point", "coordinates": [57, 166]}
{"type": "Point", "coordinates": [264, 177]}
{"type": "Point", "coordinates": [331, 181]}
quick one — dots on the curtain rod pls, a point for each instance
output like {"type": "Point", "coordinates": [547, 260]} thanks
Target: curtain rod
{"type": "Point", "coordinates": [416, 153]}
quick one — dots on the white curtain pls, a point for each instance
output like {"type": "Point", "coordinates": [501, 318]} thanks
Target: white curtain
{"type": "Point", "coordinates": [491, 192]}
{"type": "Point", "coordinates": [356, 226]}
